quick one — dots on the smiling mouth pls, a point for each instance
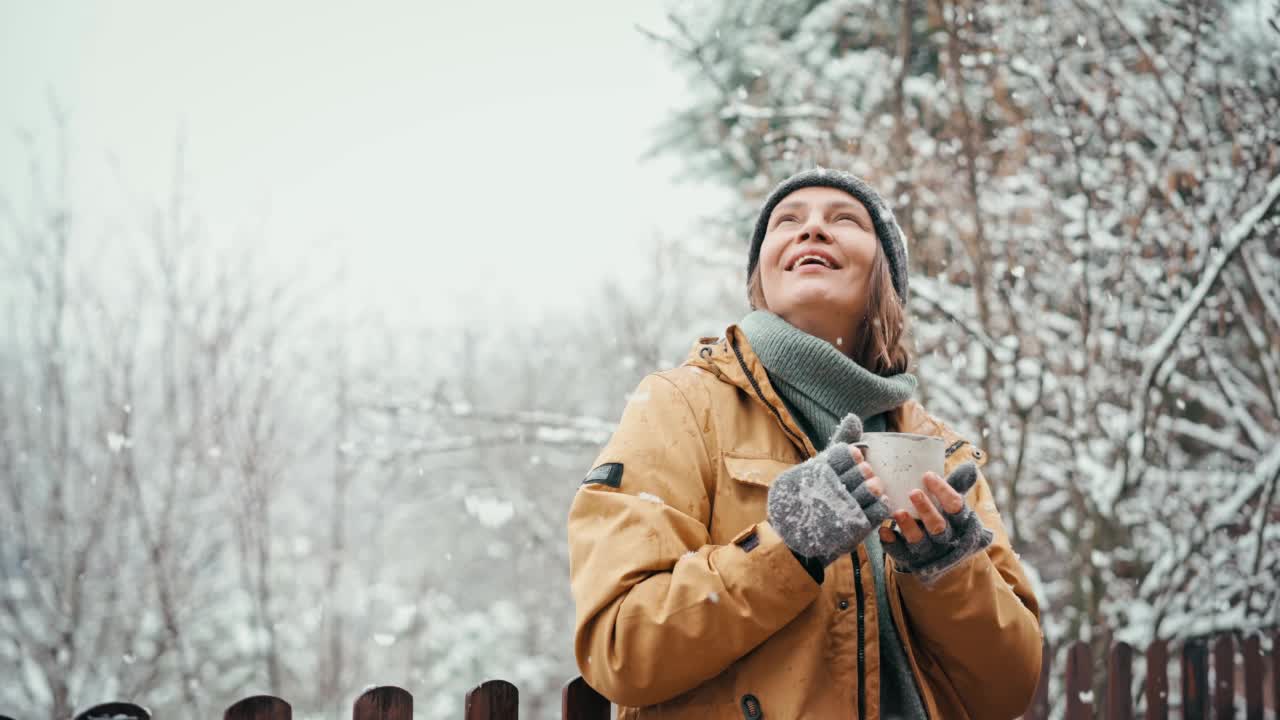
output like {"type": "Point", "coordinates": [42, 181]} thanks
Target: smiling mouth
{"type": "Point", "coordinates": [811, 260]}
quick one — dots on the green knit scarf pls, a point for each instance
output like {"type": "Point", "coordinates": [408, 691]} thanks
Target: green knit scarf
{"type": "Point", "coordinates": [820, 385]}
{"type": "Point", "coordinates": [818, 382]}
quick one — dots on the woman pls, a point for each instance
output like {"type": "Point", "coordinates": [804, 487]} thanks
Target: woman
{"type": "Point", "coordinates": [730, 553]}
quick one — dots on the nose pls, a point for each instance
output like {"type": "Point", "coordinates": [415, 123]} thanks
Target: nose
{"type": "Point", "coordinates": [813, 230]}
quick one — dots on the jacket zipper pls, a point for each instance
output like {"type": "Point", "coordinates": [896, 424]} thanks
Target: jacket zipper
{"type": "Point", "coordinates": [857, 566]}
{"type": "Point", "coordinates": [751, 379]}
{"type": "Point", "coordinates": [862, 650]}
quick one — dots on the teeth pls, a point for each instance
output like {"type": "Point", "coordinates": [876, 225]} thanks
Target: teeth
{"type": "Point", "coordinates": [800, 260]}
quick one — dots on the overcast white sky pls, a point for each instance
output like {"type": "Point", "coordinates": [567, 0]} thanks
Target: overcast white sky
{"type": "Point", "coordinates": [455, 150]}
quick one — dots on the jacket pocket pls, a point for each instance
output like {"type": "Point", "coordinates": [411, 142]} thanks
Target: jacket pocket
{"type": "Point", "coordinates": [754, 470]}
{"type": "Point", "coordinates": [743, 500]}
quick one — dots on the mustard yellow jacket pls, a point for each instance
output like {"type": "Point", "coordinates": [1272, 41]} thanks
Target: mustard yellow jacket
{"type": "Point", "coordinates": [689, 605]}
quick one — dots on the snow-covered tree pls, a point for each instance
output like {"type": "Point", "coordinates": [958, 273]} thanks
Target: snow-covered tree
{"type": "Point", "coordinates": [1090, 192]}
{"type": "Point", "coordinates": [217, 480]}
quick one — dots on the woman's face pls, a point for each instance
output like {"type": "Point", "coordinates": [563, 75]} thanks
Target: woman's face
{"type": "Point", "coordinates": [816, 257]}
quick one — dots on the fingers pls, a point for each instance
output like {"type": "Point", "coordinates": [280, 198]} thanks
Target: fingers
{"type": "Point", "coordinates": [929, 515]}
{"type": "Point", "coordinates": [877, 512]}
{"type": "Point", "coordinates": [841, 458]}
{"type": "Point", "coordinates": [896, 547]}
{"type": "Point", "coordinates": [855, 476]}
{"type": "Point", "coordinates": [966, 523]}
{"type": "Point", "coordinates": [869, 496]}
{"type": "Point", "coordinates": [861, 475]}
{"type": "Point", "coordinates": [863, 496]}
{"type": "Point", "coordinates": [951, 501]}
{"type": "Point", "coordinates": [910, 529]}
{"type": "Point", "coordinates": [874, 485]}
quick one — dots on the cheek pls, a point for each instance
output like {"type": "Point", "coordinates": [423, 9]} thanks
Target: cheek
{"type": "Point", "coordinates": [770, 256]}
{"type": "Point", "coordinates": [862, 251]}
{"type": "Point", "coordinates": [770, 251]}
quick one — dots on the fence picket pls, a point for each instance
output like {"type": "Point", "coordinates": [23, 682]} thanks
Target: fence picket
{"type": "Point", "coordinates": [1157, 683]}
{"type": "Point", "coordinates": [1252, 652]}
{"type": "Point", "coordinates": [499, 700]}
{"type": "Point", "coordinates": [493, 700]}
{"type": "Point", "coordinates": [1195, 680]}
{"type": "Point", "coordinates": [383, 703]}
{"type": "Point", "coordinates": [579, 701]}
{"type": "Point", "coordinates": [1079, 682]}
{"type": "Point", "coordinates": [1120, 682]}
{"type": "Point", "coordinates": [1224, 665]}
{"type": "Point", "coordinates": [1275, 668]}
{"type": "Point", "coordinates": [259, 707]}
{"type": "Point", "coordinates": [115, 710]}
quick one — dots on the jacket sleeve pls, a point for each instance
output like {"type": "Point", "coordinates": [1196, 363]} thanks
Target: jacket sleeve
{"type": "Point", "coordinates": [659, 610]}
{"type": "Point", "coordinates": [980, 622]}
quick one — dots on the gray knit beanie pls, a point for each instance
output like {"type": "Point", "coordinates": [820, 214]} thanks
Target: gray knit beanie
{"type": "Point", "coordinates": [891, 239]}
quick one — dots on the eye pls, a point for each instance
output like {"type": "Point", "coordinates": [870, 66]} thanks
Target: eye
{"type": "Point", "coordinates": [786, 218]}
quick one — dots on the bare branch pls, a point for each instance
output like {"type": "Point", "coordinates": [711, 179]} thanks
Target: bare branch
{"type": "Point", "coordinates": [926, 293]}
{"type": "Point", "coordinates": [1160, 351]}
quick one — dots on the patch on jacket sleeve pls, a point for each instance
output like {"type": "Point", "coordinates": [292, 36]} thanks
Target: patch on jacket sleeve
{"type": "Point", "coordinates": [608, 474]}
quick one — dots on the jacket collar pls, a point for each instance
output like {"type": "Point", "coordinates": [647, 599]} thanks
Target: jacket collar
{"type": "Point", "coordinates": [744, 370]}
{"type": "Point", "coordinates": [732, 360]}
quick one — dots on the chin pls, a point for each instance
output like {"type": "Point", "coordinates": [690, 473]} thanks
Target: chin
{"type": "Point", "coordinates": [811, 299]}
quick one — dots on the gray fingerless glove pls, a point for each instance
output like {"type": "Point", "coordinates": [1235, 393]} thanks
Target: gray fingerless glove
{"type": "Point", "coordinates": [963, 536]}
{"type": "Point", "coordinates": [821, 507]}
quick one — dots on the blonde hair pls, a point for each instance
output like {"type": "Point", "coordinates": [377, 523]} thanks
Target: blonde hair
{"type": "Point", "coordinates": [882, 346]}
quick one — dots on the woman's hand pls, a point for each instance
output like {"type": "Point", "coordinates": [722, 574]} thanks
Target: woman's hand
{"type": "Point", "coordinates": [871, 481]}
{"type": "Point", "coordinates": [944, 535]}
{"type": "Point", "coordinates": [825, 506]}
{"type": "Point", "coordinates": [950, 501]}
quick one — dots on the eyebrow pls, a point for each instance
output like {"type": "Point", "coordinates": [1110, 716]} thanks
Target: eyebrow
{"type": "Point", "coordinates": [839, 204]}
{"type": "Point", "coordinates": [860, 210]}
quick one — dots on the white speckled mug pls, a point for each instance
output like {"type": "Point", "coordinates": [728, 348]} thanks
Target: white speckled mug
{"type": "Point", "coordinates": [900, 460]}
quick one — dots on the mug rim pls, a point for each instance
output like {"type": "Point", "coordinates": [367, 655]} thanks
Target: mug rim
{"type": "Point", "coordinates": [901, 434]}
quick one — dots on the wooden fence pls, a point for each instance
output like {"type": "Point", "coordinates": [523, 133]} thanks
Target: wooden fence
{"type": "Point", "coordinates": [1212, 686]}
